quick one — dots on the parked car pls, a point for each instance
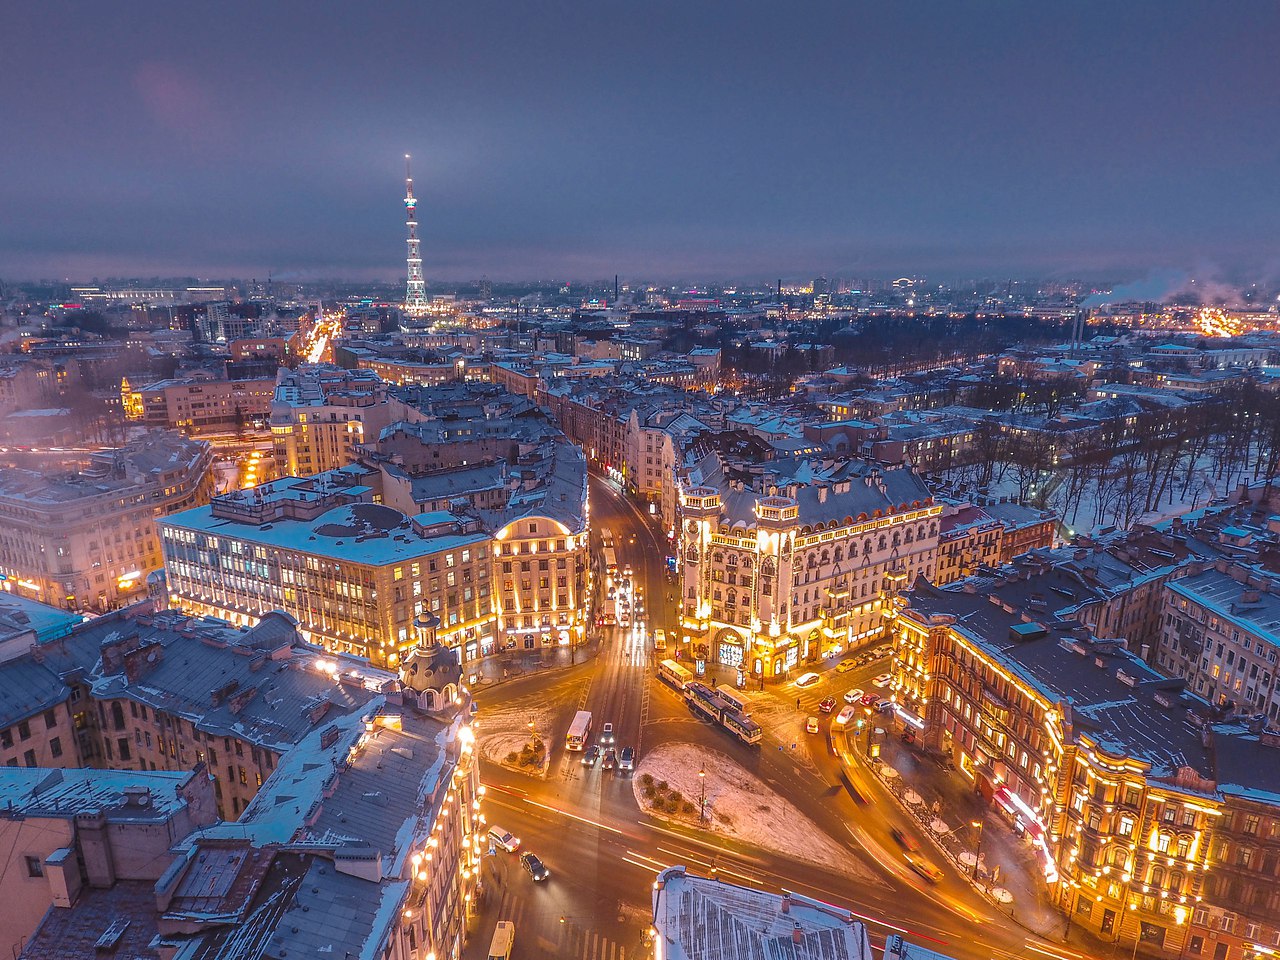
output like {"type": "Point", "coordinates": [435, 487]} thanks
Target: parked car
{"type": "Point", "coordinates": [606, 733]}
{"type": "Point", "coordinates": [922, 867]}
{"type": "Point", "coordinates": [844, 666]}
{"type": "Point", "coordinates": [883, 679]}
{"type": "Point", "coordinates": [610, 759]}
{"type": "Point", "coordinates": [853, 696]}
{"type": "Point", "coordinates": [811, 725]}
{"type": "Point", "coordinates": [537, 869]}
{"type": "Point", "coordinates": [827, 705]}
{"type": "Point", "coordinates": [590, 755]}
{"type": "Point", "coordinates": [504, 839]}
{"type": "Point", "coordinates": [627, 759]}
{"type": "Point", "coordinates": [807, 679]}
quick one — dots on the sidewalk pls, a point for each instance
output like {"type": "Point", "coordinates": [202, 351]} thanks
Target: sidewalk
{"type": "Point", "coordinates": [514, 664]}
{"type": "Point", "coordinates": [943, 802]}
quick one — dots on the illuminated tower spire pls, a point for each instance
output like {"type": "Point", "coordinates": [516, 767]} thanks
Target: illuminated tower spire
{"type": "Point", "coordinates": [415, 297]}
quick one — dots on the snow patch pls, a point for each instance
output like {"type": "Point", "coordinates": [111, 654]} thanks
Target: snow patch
{"type": "Point", "coordinates": [742, 806]}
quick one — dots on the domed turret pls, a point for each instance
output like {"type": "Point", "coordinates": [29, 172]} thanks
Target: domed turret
{"type": "Point", "coordinates": [430, 672]}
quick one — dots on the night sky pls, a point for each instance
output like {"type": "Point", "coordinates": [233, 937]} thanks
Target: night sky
{"type": "Point", "coordinates": [682, 140]}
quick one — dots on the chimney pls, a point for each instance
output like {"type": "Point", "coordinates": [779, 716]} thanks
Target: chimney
{"type": "Point", "coordinates": [786, 902]}
{"type": "Point", "coordinates": [797, 935]}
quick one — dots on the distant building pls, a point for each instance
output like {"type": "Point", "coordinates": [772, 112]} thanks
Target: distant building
{"type": "Point", "coordinates": [198, 405]}
{"type": "Point", "coordinates": [319, 414]}
{"type": "Point", "coordinates": [87, 540]}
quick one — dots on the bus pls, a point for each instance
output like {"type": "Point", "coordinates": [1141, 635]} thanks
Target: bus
{"type": "Point", "coordinates": [504, 937]}
{"type": "Point", "coordinates": [576, 738]}
{"type": "Point", "coordinates": [714, 707]}
{"type": "Point", "coordinates": [739, 702]}
{"type": "Point", "coordinates": [608, 553]}
{"type": "Point", "coordinates": [674, 674]}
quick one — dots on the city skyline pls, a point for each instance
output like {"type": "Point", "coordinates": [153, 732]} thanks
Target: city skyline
{"type": "Point", "coordinates": [698, 143]}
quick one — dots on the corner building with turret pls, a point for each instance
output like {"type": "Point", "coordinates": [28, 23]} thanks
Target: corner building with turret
{"type": "Point", "coordinates": [786, 563]}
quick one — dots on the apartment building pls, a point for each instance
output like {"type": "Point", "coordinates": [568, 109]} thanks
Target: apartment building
{"type": "Point", "coordinates": [779, 571]}
{"type": "Point", "coordinates": [365, 841]}
{"type": "Point", "coordinates": [64, 830]}
{"type": "Point", "coordinates": [319, 414]}
{"type": "Point", "coordinates": [85, 539]}
{"type": "Point", "coordinates": [1145, 805]}
{"type": "Point", "coordinates": [1221, 630]}
{"type": "Point", "coordinates": [199, 404]}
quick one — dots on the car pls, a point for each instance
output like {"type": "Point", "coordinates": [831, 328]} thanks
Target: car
{"type": "Point", "coordinates": [811, 725]}
{"type": "Point", "coordinates": [606, 733]}
{"type": "Point", "coordinates": [590, 756]}
{"type": "Point", "coordinates": [610, 759]}
{"type": "Point", "coordinates": [846, 714]}
{"type": "Point", "coordinates": [922, 867]}
{"type": "Point", "coordinates": [627, 759]}
{"type": "Point", "coordinates": [537, 869]}
{"type": "Point", "coordinates": [870, 700]}
{"type": "Point", "coordinates": [904, 841]}
{"type": "Point", "coordinates": [807, 679]}
{"type": "Point", "coordinates": [853, 696]}
{"type": "Point", "coordinates": [844, 666]}
{"type": "Point", "coordinates": [827, 705]}
{"type": "Point", "coordinates": [504, 839]}
{"type": "Point", "coordinates": [883, 679]}
{"type": "Point", "coordinates": [908, 736]}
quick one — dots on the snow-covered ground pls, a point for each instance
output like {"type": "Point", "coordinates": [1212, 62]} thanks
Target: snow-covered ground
{"type": "Point", "coordinates": [741, 806]}
{"type": "Point", "coordinates": [505, 731]}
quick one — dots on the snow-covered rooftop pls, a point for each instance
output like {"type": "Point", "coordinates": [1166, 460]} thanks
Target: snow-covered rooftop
{"type": "Point", "coordinates": [700, 919]}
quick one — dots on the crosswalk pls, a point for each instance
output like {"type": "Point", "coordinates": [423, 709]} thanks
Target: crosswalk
{"type": "Point", "coordinates": [539, 936]}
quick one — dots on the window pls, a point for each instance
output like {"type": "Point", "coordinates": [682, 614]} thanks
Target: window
{"type": "Point", "coordinates": [50, 719]}
{"type": "Point", "coordinates": [55, 746]}
{"type": "Point", "coordinates": [24, 730]}
{"type": "Point", "coordinates": [29, 758]}
{"type": "Point", "coordinates": [34, 867]}
{"type": "Point", "coordinates": [123, 744]}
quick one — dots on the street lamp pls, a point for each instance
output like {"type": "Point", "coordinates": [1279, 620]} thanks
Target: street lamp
{"type": "Point", "coordinates": [702, 794]}
{"type": "Point", "coordinates": [869, 726]}
{"type": "Point", "coordinates": [977, 850]}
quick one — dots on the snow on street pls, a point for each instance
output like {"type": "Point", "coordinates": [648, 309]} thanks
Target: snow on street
{"type": "Point", "coordinates": [741, 806]}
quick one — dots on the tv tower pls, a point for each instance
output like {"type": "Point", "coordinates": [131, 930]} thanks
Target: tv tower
{"type": "Point", "coordinates": [415, 296]}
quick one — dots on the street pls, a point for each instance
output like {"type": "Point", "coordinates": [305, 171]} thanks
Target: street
{"type": "Point", "coordinates": [603, 851]}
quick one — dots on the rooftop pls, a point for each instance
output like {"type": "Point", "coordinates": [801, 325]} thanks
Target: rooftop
{"type": "Point", "coordinates": [1119, 702]}
{"type": "Point", "coordinates": [120, 794]}
{"type": "Point", "coordinates": [700, 919]}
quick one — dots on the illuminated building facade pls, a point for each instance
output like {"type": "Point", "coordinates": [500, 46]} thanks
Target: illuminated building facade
{"type": "Point", "coordinates": [353, 572]}
{"type": "Point", "coordinates": [1115, 774]}
{"type": "Point", "coordinates": [778, 571]}
{"type": "Point", "coordinates": [86, 540]}
{"type": "Point", "coordinates": [320, 413]}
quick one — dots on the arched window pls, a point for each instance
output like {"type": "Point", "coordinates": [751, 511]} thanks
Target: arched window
{"type": "Point", "coordinates": [117, 715]}
{"type": "Point", "coordinates": [732, 599]}
{"type": "Point", "coordinates": [717, 557]}
{"type": "Point", "coordinates": [908, 536]}
{"type": "Point", "coordinates": [882, 541]}
{"type": "Point", "coordinates": [826, 557]}
{"type": "Point", "coordinates": [839, 554]}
